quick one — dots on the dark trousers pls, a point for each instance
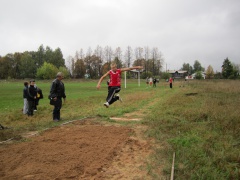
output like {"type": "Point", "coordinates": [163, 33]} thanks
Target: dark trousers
{"type": "Point", "coordinates": [170, 85]}
{"type": "Point", "coordinates": [112, 90]}
{"type": "Point", "coordinates": [57, 108]}
{"type": "Point", "coordinates": [36, 103]}
{"type": "Point", "coordinates": [31, 105]}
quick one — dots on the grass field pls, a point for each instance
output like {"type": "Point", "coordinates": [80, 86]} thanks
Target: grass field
{"type": "Point", "coordinates": [198, 120]}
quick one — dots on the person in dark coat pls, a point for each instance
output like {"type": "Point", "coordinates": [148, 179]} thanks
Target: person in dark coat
{"type": "Point", "coordinates": [32, 95]}
{"type": "Point", "coordinates": [154, 82]}
{"type": "Point", "coordinates": [57, 92]}
{"type": "Point", "coordinates": [39, 96]}
{"type": "Point", "coordinates": [25, 95]}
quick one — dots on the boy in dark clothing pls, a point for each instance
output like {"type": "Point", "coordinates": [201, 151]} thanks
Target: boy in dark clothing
{"type": "Point", "coordinates": [154, 82]}
{"type": "Point", "coordinates": [32, 95]}
{"type": "Point", "coordinates": [25, 95]}
{"type": "Point", "coordinates": [57, 92]}
{"type": "Point", "coordinates": [39, 96]}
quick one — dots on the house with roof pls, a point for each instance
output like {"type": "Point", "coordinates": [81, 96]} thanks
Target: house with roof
{"type": "Point", "coordinates": [179, 74]}
{"type": "Point", "coordinates": [135, 72]}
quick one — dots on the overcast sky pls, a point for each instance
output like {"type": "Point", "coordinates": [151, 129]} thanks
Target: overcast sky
{"type": "Point", "coordinates": [183, 30]}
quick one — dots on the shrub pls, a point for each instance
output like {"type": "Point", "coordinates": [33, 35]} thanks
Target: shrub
{"type": "Point", "coordinates": [47, 71]}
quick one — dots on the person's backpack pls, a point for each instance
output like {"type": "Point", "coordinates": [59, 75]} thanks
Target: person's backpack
{"type": "Point", "coordinates": [39, 93]}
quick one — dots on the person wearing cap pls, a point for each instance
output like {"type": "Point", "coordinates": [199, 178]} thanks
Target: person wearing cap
{"type": "Point", "coordinates": [57, 92]}
{"type": "Point", "coordinates": [31, 97]}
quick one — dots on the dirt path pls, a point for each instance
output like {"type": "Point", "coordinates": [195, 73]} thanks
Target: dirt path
{"type": "Point", "coordinates": [84, 149]}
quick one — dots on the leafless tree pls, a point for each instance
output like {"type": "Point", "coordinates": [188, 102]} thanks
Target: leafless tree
{"type": "Point", "coordinates": [146, 54]}
{"type": "Point", "coordinates": [70, 64]}
{"type": "Point", "coordinates": [118, 53]}
{"type": "Point", "coordinates": [151, 59]}
{"type": "Point", "coordinates": [87, 59]}
{"type": "Point", "coordinates": [139, 56]}
{"type": "Point", "coordinates": [81, 54]}
{"type": "Point", "coordinates": [108, 54]}
{"type": "Point", "coordinates": [128, 56]}
{"type": "Point", "coordinates": [157, 60]}
{"type": "Point", "coordinates": [99, 60]}
{"type": "Point", "coordinates": [76, 56]}
{"type": "Point", "coordinates": [138, 53]}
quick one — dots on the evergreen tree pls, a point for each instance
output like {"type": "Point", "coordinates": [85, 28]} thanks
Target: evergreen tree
{"type": "Point", "coordinates": [227, 69]}
{"type": "Point", "coordinates": [197, 66]}
{"type": "Point", "coordinates": [187, 67]}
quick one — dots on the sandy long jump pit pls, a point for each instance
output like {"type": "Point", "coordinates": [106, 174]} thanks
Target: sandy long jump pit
{"type": "Point", "coordinates": [79, 150]}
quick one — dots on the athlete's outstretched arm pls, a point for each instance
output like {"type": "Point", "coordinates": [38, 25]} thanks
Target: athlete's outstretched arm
{"type": "Point", "coordinates": [101, 79]}
{"type": "Point", "coordinates": [131, 68]}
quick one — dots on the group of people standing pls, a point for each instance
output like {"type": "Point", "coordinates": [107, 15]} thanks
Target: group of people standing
{"type": "Point", "coordinates": [151, 82]}
{"type": "Point", "coordinates": [31, 96]}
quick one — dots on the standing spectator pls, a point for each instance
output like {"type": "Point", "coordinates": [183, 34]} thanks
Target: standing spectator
{"type": "Point", "coordinates": [150, 81]}
{"type": "Point", "coordinates": [154, 82]}
{"type": "Point", "coordinates": [170, 82]}
{"type": "Point", "coordinates": [115, 83]}
{"type": "Point", "coordinates": [39, 96]}
{"type": "Point", "coordinates": [147, 81]}
{"type": "Point", "coordinates": [25, 95]}
{"type": "Point", "coordinates": [32, 95]}
{"type": "Point", "coordinates": [57, 92]}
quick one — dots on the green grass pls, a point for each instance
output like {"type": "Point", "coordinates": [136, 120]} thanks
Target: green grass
{"type": "Point", "coordinates": [199, 120]}
{"type": "Point", "coordinates": [83, 100]}
{"type": "Point", "coordinates": [201, 123]}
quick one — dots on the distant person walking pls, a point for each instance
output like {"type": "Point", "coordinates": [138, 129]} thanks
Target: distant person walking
{"type": "Point", "coordinates": [170, 82]}
{"type": "Point", "coordinates": [25, 95]}
{"type": "Point", "coordinates": [150, 81]}
{"type": "Point", "coordinates": [154, 82]}
{"type": "Point", "coordinates": [57, 92]}
{"type": "Point", "coordinates": [147, 82]}
{"type": "Point", "coordinates": [114, 85]}
{"type": "Point", "coordinates": [31, 97]}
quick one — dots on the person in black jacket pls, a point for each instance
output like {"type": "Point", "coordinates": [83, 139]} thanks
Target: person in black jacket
{"type": "Point", "coordinates": [57, 92]}
{"type": "Point", "coordinates": [32, 95]}
{"type": "Point", "coordinates": [154, 82]}
{"type": "Point", "coordinates": [25, 95]}
{"type": "Point", "coordinates": [39, 96]}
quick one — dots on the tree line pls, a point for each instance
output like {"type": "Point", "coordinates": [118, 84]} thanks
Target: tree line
{"type": "Point", "coordinates": [95, 63]}
{"type": "Point", "coordinates": [229, 70]}
{"type": "Point", "coordinates": [45, 62]}
{"type": "Point", "coordinates": [26, 64]}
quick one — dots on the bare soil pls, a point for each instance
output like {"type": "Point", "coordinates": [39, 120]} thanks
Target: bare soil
{"type": "Point", "coordinates": [84, 149]}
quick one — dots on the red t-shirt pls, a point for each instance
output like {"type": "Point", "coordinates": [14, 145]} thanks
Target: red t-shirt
{"type": "Point", "coordinates": [170, 80]}
{"type": "Point", "coordinates": [115, 78]}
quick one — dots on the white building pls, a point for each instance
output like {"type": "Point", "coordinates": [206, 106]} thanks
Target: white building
{"type": "Point", "coordinates": [193, 76]}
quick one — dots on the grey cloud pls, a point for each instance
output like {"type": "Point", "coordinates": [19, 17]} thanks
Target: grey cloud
{"type": "Point", "coordinates": [183, 31]}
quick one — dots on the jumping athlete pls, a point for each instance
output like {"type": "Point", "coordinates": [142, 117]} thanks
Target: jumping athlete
{"type": "Point", "coordinates": [114, 85]}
